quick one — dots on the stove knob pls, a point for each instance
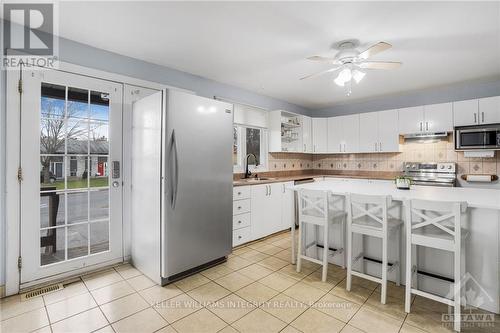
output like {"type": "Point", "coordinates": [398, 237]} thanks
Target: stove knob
{"type": "Point", "coordinates": [450, 167]}
{"type": "Point", "coordinates": [441, 167]}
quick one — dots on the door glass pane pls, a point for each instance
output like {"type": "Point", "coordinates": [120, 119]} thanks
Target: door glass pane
{"type": "Point", "coordinates": [253, 142]}
{"type": "Point", "coordinates": [74, 148]}
{"type": "Point", "coordinates": [52, 209]}
{"type": "Point", "coordinates": [51, 173]}
{"type": "Point", "coordinates": [77, 173]}
{"type": "Point", "coordinates": [78, 241]}
{"type": "Point", "coordinates": [99, 237]}
{"type": "Point", "coordinates": [52, 245]}
{"type": "Point", "coordinates": [98, 170]}
{"type": "Point", "coordinates": [77, 135]}
{"type": "Point", "coordinates": [78, 103]}
{"type": "Point", "coordinates": [99, 106]}
{"type": "Point", "coordinates": [99, 205]}
{"type": "Point", "coordinates": [78, 207]}
{"type": "Point", "coordinates": [99, 139]}
{"type": "Point", "coordinates": [235, 145]}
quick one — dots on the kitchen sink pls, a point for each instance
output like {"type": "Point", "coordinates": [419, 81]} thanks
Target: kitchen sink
{"type": "Point", "coordinates": [256, 179]}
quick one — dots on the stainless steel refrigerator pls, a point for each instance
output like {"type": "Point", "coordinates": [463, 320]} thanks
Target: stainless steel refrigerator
{"type": "Point", "coordinates": [181, 184]}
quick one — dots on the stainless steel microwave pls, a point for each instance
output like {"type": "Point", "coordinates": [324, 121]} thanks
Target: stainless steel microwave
{"type": "Point", "coordinates": [477, 137]}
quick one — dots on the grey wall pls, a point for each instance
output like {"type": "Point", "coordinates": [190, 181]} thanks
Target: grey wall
{"type": "Point", "coordinates": [449, 93]}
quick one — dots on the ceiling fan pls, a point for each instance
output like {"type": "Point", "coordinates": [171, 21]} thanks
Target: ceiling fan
{"type": "Point", "coordinates": [351, 63]}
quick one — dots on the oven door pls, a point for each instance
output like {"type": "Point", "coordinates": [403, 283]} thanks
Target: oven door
{"type": "Point", "coordinates": [477, 138]}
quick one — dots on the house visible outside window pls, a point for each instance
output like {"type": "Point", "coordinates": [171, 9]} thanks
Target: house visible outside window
{"type": "Point", "coordinates": [249, 140]}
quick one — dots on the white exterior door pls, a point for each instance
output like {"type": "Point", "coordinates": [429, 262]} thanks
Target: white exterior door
{"type": "Point", "coordinates": [71, 156]}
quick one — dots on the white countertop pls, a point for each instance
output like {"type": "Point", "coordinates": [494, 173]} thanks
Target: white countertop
{"type": "Point", "coordinates": [475, 197]}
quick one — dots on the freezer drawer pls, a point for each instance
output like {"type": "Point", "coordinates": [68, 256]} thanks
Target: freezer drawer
{"type": "Point", "coordinates": [241, 236]}
{"type": "Point", "coordinates": [241, 206]}
{"type": "Point", "coordinates": [241, 221]}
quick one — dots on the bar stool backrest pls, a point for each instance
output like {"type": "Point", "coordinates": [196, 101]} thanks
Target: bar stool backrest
{"type": "Point", "coordinates": [440, 216]}
{"type": "Point", "coordinates": [368, 210]}
{"type": "Point", "coordinates": [313, 206]}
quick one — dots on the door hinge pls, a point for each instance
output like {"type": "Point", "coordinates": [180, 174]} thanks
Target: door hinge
{"type": "Point", "coordinates": [19, 174]}
{"type": "Point", "coordinates": [20, 86]}
{"type": "Point", "coordinates": [19, 262]}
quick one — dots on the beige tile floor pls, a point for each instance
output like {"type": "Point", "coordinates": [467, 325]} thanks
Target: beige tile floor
{"type": "Point", "coordinates": [256, 290]}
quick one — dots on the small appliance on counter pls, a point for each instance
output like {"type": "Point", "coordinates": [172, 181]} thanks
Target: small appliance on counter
{"type": "Point", "coordinates": [480, 178]}
{"type": "Point", "coordinates": [403, 183]}
{"type": "Point", "coordinates": [431, 173]}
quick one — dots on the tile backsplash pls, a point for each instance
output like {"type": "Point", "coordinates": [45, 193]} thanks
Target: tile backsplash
{"type": "Point", "coordinates": [441, 151]}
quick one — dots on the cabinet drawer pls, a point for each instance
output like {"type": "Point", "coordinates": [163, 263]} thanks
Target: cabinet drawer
{"type": "Point", "coordinates": [241, 236]}
{"type": "Point", "coordinates": [241, 192]}
{"type": "Point", "coordinates": [241, 206]}
{"type": "Point", "coordinates": [241, 221]}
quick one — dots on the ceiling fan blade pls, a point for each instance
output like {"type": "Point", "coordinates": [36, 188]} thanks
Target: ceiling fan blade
{"type": "Point", "coordinates": [320, 58]}
{"type": "Point", "coordinates": [379, 64]}
{"type": "Point", "coordinates": [374, 49]}
{"type": "Point", "coordinates": [320, 73]}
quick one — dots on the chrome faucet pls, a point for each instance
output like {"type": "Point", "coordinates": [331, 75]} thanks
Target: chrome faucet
{"type": "Point", "coordinates": [247, 172]}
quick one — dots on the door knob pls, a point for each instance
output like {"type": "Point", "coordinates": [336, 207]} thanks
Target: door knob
{"type": "Point", "coordinates": [116, 183]}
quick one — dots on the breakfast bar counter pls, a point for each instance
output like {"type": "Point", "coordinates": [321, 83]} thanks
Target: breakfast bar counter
{"type": "Point", "coordinates": [482, 250]}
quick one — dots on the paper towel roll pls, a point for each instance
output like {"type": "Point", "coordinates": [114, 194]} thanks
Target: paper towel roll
{"type": "Point", "coordinates": [479, 178]}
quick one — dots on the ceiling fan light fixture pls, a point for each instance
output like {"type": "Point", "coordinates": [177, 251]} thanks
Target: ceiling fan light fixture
{"type": "Point", "coordinates": [344, 76]}
{"type": "Point", "coordinates": [358, 75]}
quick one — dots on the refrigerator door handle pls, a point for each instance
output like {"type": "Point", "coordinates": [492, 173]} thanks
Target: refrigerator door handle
{"type": "Point", "coordinates": [175, 178]}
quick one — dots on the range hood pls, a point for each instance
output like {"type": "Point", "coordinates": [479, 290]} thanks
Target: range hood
{"type": "Point", "coordinates": [426, 135]}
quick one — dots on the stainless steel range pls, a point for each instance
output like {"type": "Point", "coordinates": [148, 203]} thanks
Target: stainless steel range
{"type": "Point", "coordinates": [431, 173]}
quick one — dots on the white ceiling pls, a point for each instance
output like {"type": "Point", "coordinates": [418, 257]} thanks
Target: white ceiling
{"type": "Point", "coordinates": [262, 46]}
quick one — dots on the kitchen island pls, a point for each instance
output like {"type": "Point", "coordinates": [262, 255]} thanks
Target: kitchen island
{"type": "Point", "coordinates": [482, 251]}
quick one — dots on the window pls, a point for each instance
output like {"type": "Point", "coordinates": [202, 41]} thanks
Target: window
{"type": "Point", "coordinates": [249, 140]}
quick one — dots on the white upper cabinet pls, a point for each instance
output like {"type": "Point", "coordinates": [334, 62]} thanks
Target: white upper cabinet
{"type": "Point", "coordinates": [368, 132]}
{"type": "Point", "coordinates": [306, 134]}
{"type": "Point", "coordinates": [489, 110]}
{"type": "Point", "coordinates": [465, 113]}
{"type": "Point", "coordinates": [438, 117]}
{"type": "Point", "coordinates": [350, 126]}
{"type": "Point", "coordinates": [378, 132]}
{"type": "Point", "coordinates": [335, 135]}
{"type": "Point", "coordinates": [411, 120]}
{"type": "Point", "coordinates": [477, 111]}
{"type": "Point", "coordinates": [388, 131]}
{"type": "Point", "coordinates": [427, 118]}
{"type": "Point", "coordinates": [319, 129]}
{"type": "Point", "coordinates": [343, 134]}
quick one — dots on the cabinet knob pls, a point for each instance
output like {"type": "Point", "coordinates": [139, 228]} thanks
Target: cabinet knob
{"type": "Point", "coordinates": [239, 207]}
{"type": "Point", "coordinates": [239, 237]}
{"type": "Point", "coordinates": [239, 193]}
{"type": "Point", "coordinates": [239, 222]}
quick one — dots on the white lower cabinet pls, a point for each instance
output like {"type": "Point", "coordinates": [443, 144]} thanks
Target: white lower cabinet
{"type": "Point", "coordinates": [287, 206]}
{"type": "Point", "coordinates": [266, 209]}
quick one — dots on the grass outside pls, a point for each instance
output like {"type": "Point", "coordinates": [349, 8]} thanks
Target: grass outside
{"type": "Point", "coordinates": [78, 183]}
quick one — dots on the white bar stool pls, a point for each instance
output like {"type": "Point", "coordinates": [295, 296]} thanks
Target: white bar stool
{"type": "Point", "coordinates": [435, 224]}
{"type": "Point", "coordinates": [367, 215]}
{"type": "Point", "coordinates": [314, 209]}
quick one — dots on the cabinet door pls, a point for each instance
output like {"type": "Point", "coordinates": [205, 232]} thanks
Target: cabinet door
{"type": "Point", "coordinates": [287, 206]}
{"type": "Point", "coordinates": [259, 205]}
{"type": "Point", "coordinates": [334, 134]}
{"type": "Point", "coordinates": [368, 132]}
{"type": "Point", "coordinates": [388, 131]}
{"type": "Point", "coordinates": [274, 209]}
{"type": "Point", "coordinates": [274, 132]}
{"type": "Point", "coordinates": [411, 120]}
{"type": "Point", "coordinates": [319, 129]}
{"type": "Point", "coordinates": [438, 117]}
{"type": "Point", "coordinates": [306, 134]}
{"type": "Point", "coordinates": [465, 113]}
{"type": "Point", "coordinates": [489, 110]}
{"type": "Point", "coordinates": [350, 128]}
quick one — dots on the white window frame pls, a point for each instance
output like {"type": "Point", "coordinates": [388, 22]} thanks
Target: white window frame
{"type": "Point", "coordinates": [242, 153]}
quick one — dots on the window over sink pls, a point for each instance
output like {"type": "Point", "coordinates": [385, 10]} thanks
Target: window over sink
{"type": "Point", "coordinates": [249, 140]}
